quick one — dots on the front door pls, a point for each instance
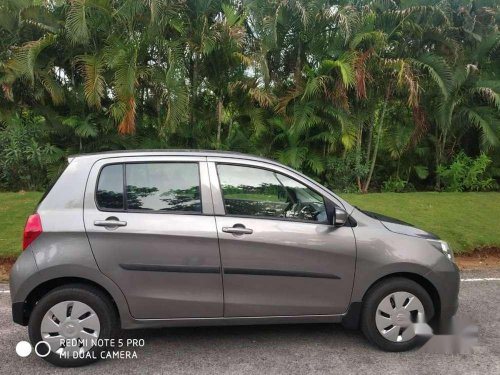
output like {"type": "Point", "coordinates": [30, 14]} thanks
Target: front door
{"type": "Point", "coordinates": [152, 231]}
{"type": "Point", "coordinates": [280, 256]}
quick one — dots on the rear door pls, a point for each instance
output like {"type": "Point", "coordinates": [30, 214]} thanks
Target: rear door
{"type": "Point", "coordinates": [280, 256]}
{"type": "Point", "coordinates": [151, 227]}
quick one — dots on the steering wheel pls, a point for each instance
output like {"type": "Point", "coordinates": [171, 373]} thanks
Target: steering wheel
{"type": "Point", "coordinates": [309, 210]}
{"type": "Point", "coordinates": [286, 209]}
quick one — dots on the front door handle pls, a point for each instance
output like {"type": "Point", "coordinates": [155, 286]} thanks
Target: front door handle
{"type": "Point", "coordinates": [237, 230]}
{"type": "Point", "coordinates": [110, 222]}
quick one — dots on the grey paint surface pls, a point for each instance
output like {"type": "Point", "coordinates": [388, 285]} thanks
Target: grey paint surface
{"type": "Point", "coordinates": [279, 245]}
{"type": "Point", "coordinates": [161, 239]}
{"type": "Point", "coordinates": [381, 252]}
{"type": "Point", "coordinates": [286, 246]}
{"type": "Point", "coordinates": [279, 349]}
{"type": "Point", "coordinates": [358, 256]}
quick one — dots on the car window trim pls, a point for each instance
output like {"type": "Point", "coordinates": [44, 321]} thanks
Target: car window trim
{"type": "Point", "coordinates": [325, 222]}
{"type": "Point", "coordinates": [125, 208]}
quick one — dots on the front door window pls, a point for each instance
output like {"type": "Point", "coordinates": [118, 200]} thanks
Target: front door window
{"type": "Point", "coordinates": [249, 191]}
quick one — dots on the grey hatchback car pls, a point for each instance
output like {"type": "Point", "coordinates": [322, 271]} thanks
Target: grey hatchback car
{"type": "Point", "coordinates": [162, 238]}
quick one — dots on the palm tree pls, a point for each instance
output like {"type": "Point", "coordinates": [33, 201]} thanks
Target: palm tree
{"type": "Point", "coordinates": [316, 84]}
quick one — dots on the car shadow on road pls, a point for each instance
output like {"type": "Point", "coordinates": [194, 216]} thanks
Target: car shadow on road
{"type": "Point", "coordinates": [234, 336]}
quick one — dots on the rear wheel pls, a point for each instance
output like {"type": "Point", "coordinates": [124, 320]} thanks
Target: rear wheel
{"type": "Point", "coordinates": [390, 310]}
{"type": "Point", "coordinates": [69, 320]}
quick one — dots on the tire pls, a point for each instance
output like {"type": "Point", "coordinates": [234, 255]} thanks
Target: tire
{"type": "Point", "coordinates": [75, 295]}
{"type": "Point", "coordinates": [385, 291]}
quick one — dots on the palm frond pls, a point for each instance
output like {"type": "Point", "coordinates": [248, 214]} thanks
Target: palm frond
{"type": "Point", "coordinates": [488, 94]}
{"type": "Point", "coordinates": [376, 37]}
{"type": "Point", "coordinates": [316, 162]}
{"type": "Point", "coordinates": [488, 46]}
{"type": "Point", "coordinates": [285, 100]}
{"type": "Point", "coordinates": [176, 98]}
{"type": "Point", "coordinates": [293, 156]}
{"type": "Point", "coordinates": [127, 124]}
{"type": "Point", "coordinates": [92, 67]}
{"type": "Point", "coordinates": [263, 97]}
{"type": "Point", "coordinates": [346, 17]}
{"type": "Point", "coordinates": [53, 87]}
{"type": "Point", "coordinates": [345, 65]}
{"type": "Point", "coordinates": [76, 21]}
{"type": "Point", "coordinates": [360, 71]}
{"type": "Point", "coordinates": [484, 120]}
{"type": "Point", "coordinates": [438, 70]}
{"type": "Point", "coordinates": [24, 58]}
{"type": "Point", "coordinates": [313, 88]}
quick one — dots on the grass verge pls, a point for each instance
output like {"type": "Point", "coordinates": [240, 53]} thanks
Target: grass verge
{"type": "Point", "coordinates": [14, 210]}
{"type": "Point", "coordinates": [467, 220]}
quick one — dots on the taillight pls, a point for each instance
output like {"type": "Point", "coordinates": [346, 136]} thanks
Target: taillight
{"type": "Point", "coordinates": [32, 230]}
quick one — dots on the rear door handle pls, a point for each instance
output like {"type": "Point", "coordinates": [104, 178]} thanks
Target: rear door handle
{"type": "Point", "coordinates": [110, 223]}
{"type": "Point", "coordinates": [237, 230]}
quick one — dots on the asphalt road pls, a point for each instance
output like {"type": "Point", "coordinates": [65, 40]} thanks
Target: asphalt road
{"type": "Point", "coordinates": [286, 349]}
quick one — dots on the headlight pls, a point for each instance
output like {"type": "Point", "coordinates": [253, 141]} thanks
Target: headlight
{"type": "Point", "coordinates": [444, 248]}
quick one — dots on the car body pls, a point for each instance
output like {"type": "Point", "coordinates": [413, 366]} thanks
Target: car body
{"type": "Point", "coordinates": [217, 252]}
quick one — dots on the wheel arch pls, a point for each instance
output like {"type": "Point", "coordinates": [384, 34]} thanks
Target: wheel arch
{"type": "Point", "coordinates": [39, 285]}
{"type": "Point", "coordinates": [353, 315]}
{"type": "Point", "coordinates": [46, 287]}
{"type": "Point", "coordinates": [419, 279]}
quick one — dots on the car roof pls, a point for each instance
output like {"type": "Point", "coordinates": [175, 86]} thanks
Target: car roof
{"type": "Point", "coordinates": [174, 152]}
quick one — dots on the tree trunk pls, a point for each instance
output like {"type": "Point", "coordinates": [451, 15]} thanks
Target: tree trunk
{"type": "Point", "coordinates": [193, 76]}
{"type": "Point", "coordinates": [377, 142]}
{"type": "Point", "coordinates": [440, 146]}
{"type": "Point", "coordinates": [219, 121]}
{"type": "Point", "coordinates": [369, 147]}
{"type": "Point", "coordinates": [298, 65]}
{"type": "Point", "coordinates": [374, 158]}
{"type": "Point", "coordinates": [358, 154]}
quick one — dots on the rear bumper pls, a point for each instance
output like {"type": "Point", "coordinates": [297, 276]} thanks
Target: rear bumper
{"type": "Point", "coordinates": [24, 268]}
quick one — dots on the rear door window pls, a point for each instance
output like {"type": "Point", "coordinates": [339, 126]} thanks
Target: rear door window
{"type": "Point", "coordinates": [150, 187]}
{"type": "Point", "coordinates": [163, 187]}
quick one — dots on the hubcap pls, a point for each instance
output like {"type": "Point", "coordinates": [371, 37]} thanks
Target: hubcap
{"type": "Point", "coordinates": [396, 314]}
{"type": "Point", "coordinates": [69, 327]}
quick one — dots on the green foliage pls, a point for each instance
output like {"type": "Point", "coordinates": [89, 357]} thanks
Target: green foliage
{"type": "Point", "coordinates": [359, 95]}
{"type": "Point", "coordinates": [467, 174]}
{"type": "Point", "coordinates": [394, 185]}
{"type": "Point", "coordinates": [343, 173]}
{"type": "Point", "coordinates": [25, 158]}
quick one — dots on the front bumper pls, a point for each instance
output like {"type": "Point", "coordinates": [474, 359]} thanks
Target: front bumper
{"type": "Point", "coordinates": [19, 315]}
{"type": "Point", "coordinates": [445, 277]}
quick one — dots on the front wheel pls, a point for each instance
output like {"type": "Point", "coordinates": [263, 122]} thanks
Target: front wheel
{"type": "Point", "coordinates": [390, 310]}
{"type": "Point", "coordinates": [70, 320]}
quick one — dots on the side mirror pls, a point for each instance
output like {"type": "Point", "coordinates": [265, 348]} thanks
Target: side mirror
{"type": "Point", "coordinates": [335, 215]}
{"type": "Point", "coordinates": [340, 217]}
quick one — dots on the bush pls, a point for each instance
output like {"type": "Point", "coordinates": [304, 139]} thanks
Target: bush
{"type": "Point", "coordinates": [342, 173]}
{"type": "Point", "coordinates": [394, 185]}
{"type": "Point", "coordinates": [27, 160]}
{"type": "Point", "coordinates": [467, 174]}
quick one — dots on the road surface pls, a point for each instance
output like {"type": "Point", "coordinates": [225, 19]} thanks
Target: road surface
{"type": "Point", "coordinates": [286, 349]}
